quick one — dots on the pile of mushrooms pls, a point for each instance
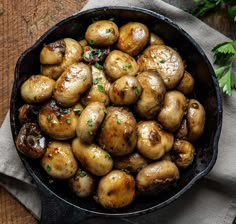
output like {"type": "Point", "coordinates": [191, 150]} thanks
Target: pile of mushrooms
{"type": "Point", "coordinates": [113, 113]}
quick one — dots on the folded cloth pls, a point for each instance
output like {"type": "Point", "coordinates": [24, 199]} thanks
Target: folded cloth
{"type": "Point", "coordinates": [211, 200]}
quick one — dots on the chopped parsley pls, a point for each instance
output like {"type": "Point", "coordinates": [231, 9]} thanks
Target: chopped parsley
{"type": "Point", "coordinates": [87, 56]}
{"type": "Point", "coordinates": [82, 174]}
{"type": "Point", "coordinates": [65, 111]}
{"type": "Point", "coordinates": [100, 88]}
{"type": "Point", "coordinates": [49, 168]}
{"type": "Point", "coordinates": [108, 30]}
{"type": "Point", "coordinates": [49, 118]}
{"type": "Point", "coordinates": [90, 123]}
{"type": "Point", "coordinates": [77, 110]}
{"type": "Point", "coordinates": [98, 66]}
{"type": "Point", "coordinates": [105, 111]}
{"type": "Point", "coordinates": [68, 120]}
{"type": "Point", "coordinates": [107, 156]}
{"type": "Point", "coordinates": [90, 133]}
{"type": "Point", "coordinates": [118, 122]}
{"type": "Point", "coordinates": [96, 80]}
{"type": "Point", "coordinates": [112, 19]}
{"type": "Point", "coordinates": [91, 42]}
{"type": "Point", "coordinates": [126, 66]}
{"type": "Point", "coordinates": [103, 146]}
{"type": "Point", "coordinates": [136, 91]}
{"type": "Point", "coordinates": [162, 61]}
{"type": "Point", "coordinates": [99, 53]}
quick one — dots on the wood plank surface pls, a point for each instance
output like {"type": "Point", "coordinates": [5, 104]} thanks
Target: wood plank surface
{"type": "Point", "coordinates": [22, 22]}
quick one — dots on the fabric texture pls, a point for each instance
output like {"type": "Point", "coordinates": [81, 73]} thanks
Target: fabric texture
{"type": "Point", "coordinates": [211, 200]}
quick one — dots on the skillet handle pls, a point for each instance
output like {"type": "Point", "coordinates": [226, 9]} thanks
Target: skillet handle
{"type": "Point", "coordinates": [55, 210]}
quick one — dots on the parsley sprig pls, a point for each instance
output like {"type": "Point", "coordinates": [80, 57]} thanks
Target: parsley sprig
{"type": "Point", "coordinates": [225, 58]}
{"type": "Point", "coordinates": [205, 6]}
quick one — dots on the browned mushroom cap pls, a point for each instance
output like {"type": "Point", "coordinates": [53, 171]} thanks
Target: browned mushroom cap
{"type": "Point", "coordinates": [57, 122]}
{"type": "Point", "coordinates": [166, 61]}
{"type": "Point", "coordinates": [133, 38]}
{"type": "Point", "coordinates": [183, 153]}
{"type": "Point", "coordinates": [28, 113]}
{"type": "Point", "coordinates": [30, 141]}
{"type": "Point", "coordinates": [53, 53]}
{"type": "Point", "coordinates": [116, 190]}
{"type": "Point", "coordinates": [196, 118]}
{"type": "Point", "coordinates": [82, 183]}
{"type": "Point", "coordinates": [157, 177]}
{"type": "Point", "coordinates": [118, 132]}
{"type": "Point", "coordinates": [186, 84]}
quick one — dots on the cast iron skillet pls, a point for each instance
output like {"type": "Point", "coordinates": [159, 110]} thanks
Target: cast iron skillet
{"type": "Point", "coordinates": [58, 202]}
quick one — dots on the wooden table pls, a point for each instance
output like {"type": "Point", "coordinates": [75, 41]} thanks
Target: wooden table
{"type": "Point", "coordinates": [22, 23]}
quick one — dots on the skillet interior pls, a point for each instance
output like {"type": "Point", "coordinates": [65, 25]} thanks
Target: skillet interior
{"type": "Point", "coordinates": [206, 91]}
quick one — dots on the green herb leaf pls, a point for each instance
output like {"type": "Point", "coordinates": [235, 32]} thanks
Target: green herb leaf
{"type": "Point", "coordinates": [225, 48]}
{"type": "Point", "coordinates": [99, 53]}
{"type": "Point", "coordinates": [68, 120]}
{"type": "Point", "coordinates": [96, 80]}
{"type": "Point", "coordinates": [232, 12]}
{"type": "Point", "coordinates": [162, 61]}
{"type": "Point", "coordinates": [204, 6]}
{"type": "Point", "coordinates": [225, 56]}
{"type": "Point", "coordinates": [49, 168]}
{"type": "Point", "coordinates": [98, 66]}
{"type": "Point", "coordinates": [108, 30]}
{"type": "Point", "coordinates": [112, 19]}
{"type": "Point", "coordinates": [105, 111]}
{"type": "Point", "coordinates": [107, 155]}
{"type": "Point", "coordinates": [103, 146]}
{"type": "Point", "coordinates": [49, 118]}
{"type": "Point", "coordinates": [118, 122]}
{"type": "Point", "coordinates": [91, 42]}
{"type": "Point", "coordinates": [126, 66]}
{"type": "Point", "coordinates": [77, 110]}
{"type": "Point", "coordinates": [136, 90]}
{"type": "Point", "coordinates": [87, 56]}
{"type": "Point", "coordinates": [90, 123]}
{"type": "Point", "coordinates": [100, 88]}
{"type": "Point", "coordinates": [66, 111]}
{"type": "Point", "coordinates": [90, 132]}
{"type": "Point", "coordinates": [82, 174]}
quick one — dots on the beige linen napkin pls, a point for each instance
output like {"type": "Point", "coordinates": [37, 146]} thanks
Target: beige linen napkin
{"type": "Point", "coordinates": [211, 200]}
